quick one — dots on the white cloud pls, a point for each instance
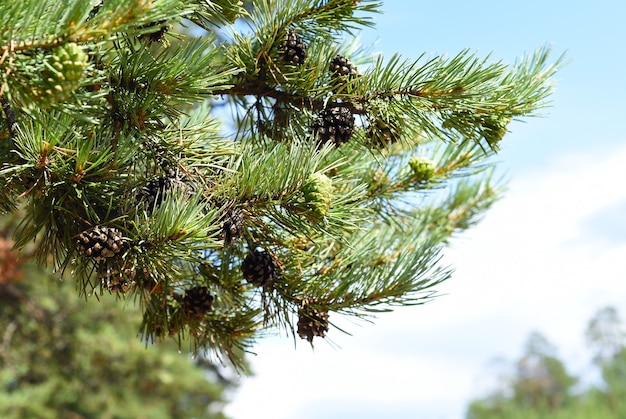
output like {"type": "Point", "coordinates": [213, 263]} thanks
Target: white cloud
{"type": "Point", "coordinates": [530, 265]}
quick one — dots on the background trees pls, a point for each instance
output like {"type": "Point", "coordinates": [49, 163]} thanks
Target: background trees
{"type": "Point", "coordinates": [541, 387]}
{"type": "Point", "coordinates": [62, 358]}
{"type": "Point", "coordinates": [541, 379]}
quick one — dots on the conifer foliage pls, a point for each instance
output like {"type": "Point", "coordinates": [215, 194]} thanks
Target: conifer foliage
{"type": "Point", "coordinates": [315, 199]}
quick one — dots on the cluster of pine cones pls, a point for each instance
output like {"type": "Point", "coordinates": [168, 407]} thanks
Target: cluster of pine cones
{"type": "Point", "coordinates": [334, 124]}
{"type": "Point", "coordinates": [105, 244]}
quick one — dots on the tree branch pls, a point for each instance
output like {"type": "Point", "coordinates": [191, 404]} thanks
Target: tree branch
{"type": "Point", "coordinates": [301, 101]}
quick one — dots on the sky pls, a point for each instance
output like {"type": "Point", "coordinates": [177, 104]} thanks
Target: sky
{"type": "Point", "coordinates": [545, 258]}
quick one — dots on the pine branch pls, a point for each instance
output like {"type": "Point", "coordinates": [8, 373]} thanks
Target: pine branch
{"type": "Point", "coordinates": [396, 272]}
{"type": "Point", "coordinates": [336, 192]}
{"type": "Point", "coordinates": [43, 25]}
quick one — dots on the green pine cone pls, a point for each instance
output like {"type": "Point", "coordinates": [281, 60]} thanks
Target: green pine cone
{"type": "Point", "coordinates": [423, 169]}
{"type": "Point", "coordinates": [318, 194]}
{"type": "Point", "coordinates": [62, 74]}
{"type": "Point", "coordinates": [493, 129]}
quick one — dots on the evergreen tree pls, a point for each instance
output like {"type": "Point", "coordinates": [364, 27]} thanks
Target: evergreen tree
{"type": "Point", "coordinates": [613, 390]}
{"type": "Point", "coordinates": [62, 359]}
{"type": "Point", "coordinates": [607, 336]}
{"type": "Point", "coordinates": [342, 179]}
{"type": "Point", "coordinates": [542, 382]}
{"type": "Point", "coordinates": [541, 387]}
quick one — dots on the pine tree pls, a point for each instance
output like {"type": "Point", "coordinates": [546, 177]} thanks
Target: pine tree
{"type": "Point", "coordinates": [538, 385]}
{"type": "Point", "coordinates": [331, 190]}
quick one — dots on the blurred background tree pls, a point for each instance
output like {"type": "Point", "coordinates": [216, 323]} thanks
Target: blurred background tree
{"type": "Point", "coordinates": [541, 380]}
{"type": "Point", "coordinates": [606, 335]}
{"type": "Point", "coordinates": [541, 386]}
{"type": "Point", "coordinates": [63, 358]}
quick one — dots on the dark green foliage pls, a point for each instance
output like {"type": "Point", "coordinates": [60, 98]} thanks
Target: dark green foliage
{"type": "Point", "coordinates": [62, 358]}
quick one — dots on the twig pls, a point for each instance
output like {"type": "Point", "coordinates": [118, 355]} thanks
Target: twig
{"type": "Point", "coordinates": [300, 101]}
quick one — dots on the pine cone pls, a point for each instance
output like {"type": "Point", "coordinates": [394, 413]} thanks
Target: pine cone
{"type": "Point", "coordinates": [493, 129]}
{"type": "Point", "coordinates": [197, 301]}
{"type": "Point", "coordinates": [318, 194]}
{"type": "Point", "coordinates": [334, 125]}
{"type": "Point", "coordinates": [381, 134]}
{"type": "Point", "coordinates": [259, 268]}
{"type": "Point", "coordinates": [155, 190]}
{"type": "Point", "coordinates": [167, 327]}
{"type": "Point", "coordinates": [423, 169]}
{"type": "Point", "coordinates": [312, 322]}
{"type": "Point", "coordinates": [293, 49]}
{"type": "Point", "coordinates": [116, 278]}
{"type": "Point", "coordinates": [233, 226]}
{"type": "Point", "coordinates": [100, 243]}
{"type": "Point", "coordinates": [158, 35]}
{"type": "Point", "coordinates": [340, 66]}
{"type": "Point", "coordinates": [62, 74]}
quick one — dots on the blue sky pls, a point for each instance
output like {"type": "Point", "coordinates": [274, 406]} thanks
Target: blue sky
{"type": "Point", "coordinates": [546, 257]}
